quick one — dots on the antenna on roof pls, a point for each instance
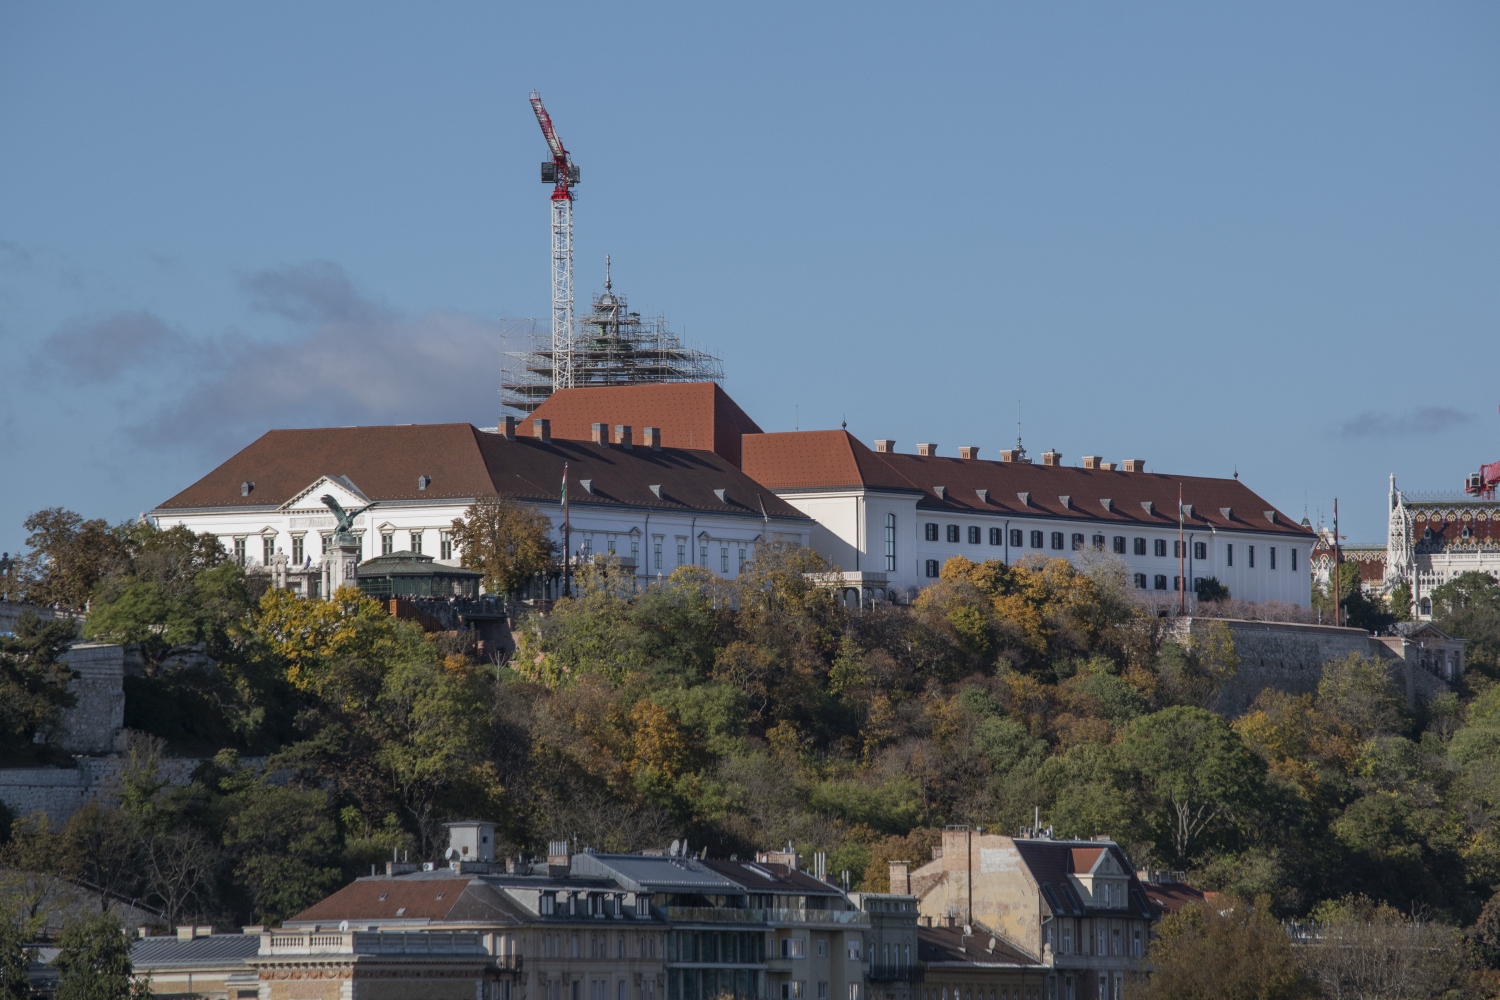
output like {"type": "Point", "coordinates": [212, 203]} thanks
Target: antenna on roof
{"type": "Point", "coordinates": [1020, 448]}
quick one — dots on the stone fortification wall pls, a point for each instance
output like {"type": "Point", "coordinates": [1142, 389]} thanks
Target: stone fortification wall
{"type": "Point", "coordinates": [61, 791]}
{"type": "Point", "coordinates": [1289, 656]}
{"type": "Point", "coordinates": [96, 722]}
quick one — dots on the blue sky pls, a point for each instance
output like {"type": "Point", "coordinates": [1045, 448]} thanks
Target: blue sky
{"type": "Point", "coordinates": [1260, 237]}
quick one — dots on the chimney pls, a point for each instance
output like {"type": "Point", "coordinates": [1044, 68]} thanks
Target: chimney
{"type": "Point", "coordinates": [1007, 455]}
{"type": "Point", "coordinates": [929, 449]}
{"type": "Point", "coordinates": [968, 453]}
{"type": "Point", "coordinates": [559, 859]}
{"type": "Point", "coordinates": [508, 428]}
{"type": "Point", "coordinates": [1135, 465]}
{"type": "Point", "coordinates": [601, 434]}
{"type": "Point", "coordinates": [542, 429]}
{"type": "Point", "coordinates": [651, 438]}
{"type": "Point", "coordinates": [900, 877]}
{"type": "Point", "coordinates": [1050, 457]}
{"type": "Point", "coordinates": [1092, 461]}
{"type": "Point", "coordinates": [885, 445]}
{"type": "Point", "coordinates": [622, 435]}
{"type": "Point", "coordinates": [1107, 466]}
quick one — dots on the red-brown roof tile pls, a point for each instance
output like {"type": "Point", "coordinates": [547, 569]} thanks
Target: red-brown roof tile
{"type": "Point", "coordinates": [464, 462]}
{"type": "Point", "coordinates": [455, 900]}
{"type": "Point", "coordinates": [697, 415]}
{"type": "Point", "coordinates": [831, 459]}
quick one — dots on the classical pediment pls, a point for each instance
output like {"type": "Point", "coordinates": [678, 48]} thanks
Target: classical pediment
{"type": "Point", "coordinates": [340, 488]}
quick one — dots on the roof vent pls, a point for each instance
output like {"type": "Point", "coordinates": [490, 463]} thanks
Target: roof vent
{"type": "Point", "coordinates": [927, 448]}
{"type": "Point", "coordinates": [1025, 499]}
{"type": "Point", "coordinates": [1051, 457]}
{"type": "Point", "coordinates": [601, 434]}
{"type": "Point", "coordinates": [968, 453]}
{"type": "Point", "coordinates": [1108, 504]}
{"type": "Point", "coordinates": [1135, 465]}
{"type": "Point", "coordinates": [1187, 510]}
{"type": "Point", "coordinates": [1148, 506]}
{"type": "Point", "coordinates": [941, 491]}
{"type": "Point", "coordinates": [984, 495]}
{"type": "Point", "coordinates": [1092, 461]}
{"type": "Point", "coordinates": [656, 489]}
{"type": "Point", "coordinates": [423, 482]}
{"type": "Point", "coordinates": [1227, 513]}
{"type": "Point", "coordinates": [588, 486]}
{"type": "Point", "coordinates": [246, 487]}
{"type": "Point", "coordinates": [652, 438]}
{"type": "Point", "coordinates": [1107, 466]}
{"type": "Point", "coordinates": [622, 436]}
{"type": "Point", "coordinates": [885, 445]}
{"type": "Point", "coordinates": [1066, 500]}
{"type": "Point", "coordinates": [1270, 516]}
{"type": "Point", "coordinates": [721, 494]}
{"type": "Point", "coordinates": [541, 429]}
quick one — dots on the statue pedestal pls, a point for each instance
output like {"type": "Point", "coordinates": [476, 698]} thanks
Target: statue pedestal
{"type": "Point", "coordinates": [343, 565]}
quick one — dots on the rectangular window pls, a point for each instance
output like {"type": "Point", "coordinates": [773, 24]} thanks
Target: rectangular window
{"type": "Point", "coordinates": [822, 991]}
{"type": "Point", "coordinates": [1161, 547]}
{"type": "Point", "coordinates": [1200, 550]}
{"type": "Point", "coordinates": [681, 554]}
{"type": "Point", "coordinates": [723, 560]}
{"type": "Point", "coordinates": [1140, 546]}
{"type": "Point", "coordinates": [703, 556]}
{"type": "Point", "coordinates": [387, 543]}
{"type": "Point", "coordinates": [1140, 581]}
{"type": "Point", "coordinates": [239, 551]}
{"type": "Point", "coordinates": [326, 540]}
{"type": "Point", "coordinates": [1057, 540]}
{"type": "Point", "coordinates": [853, 989]}
{"type": "Point", "coordinates": [854, 952]}
{"type": "Point", "coordinates": [1037, 540]}
{"type": "Point", "coordinates": [1099, 543]}
{"type": "Point", "coordinates": [822, 947]}
{"type": "Point", "coordinates": [1229, 554]}
{"type": "Point", "coordinates": [953, 533]}
{"type": "Point", "coordinates": [1176, 583]}
{"type": "Point", "coordinates": [1161, 581]}
{"type": "Point", "coordinates": [973, 535]}
{"type": "Point", "coordinates": [997, 537]}
{"type": "Point", "coordinates": [1119, 545]}
{"type": "Point", "coordinates": [793, 947]}
{"type": "Point", "coordinates": [1177, 552]}
{"type": "Point", "coordinates": [1077, 540]}
{"type": "Point", "coordinates": [445, 545]}
{"type": "Point", "coordinates": [268, 549]}
{"type": "Point", "coordinates": [1294, 560]}
{"type": "Point", "coordinates": [416, 542]}
{"type": "Point", "coordinates": [1067, 931]}
{"type": "Point", "coordinates": [1101, 944]}
{"type": "Point", "coordinates": [656, 555]}
{"type": "Point", "coordinates": [1016, 538]}
{"type": "Point", "coordinates": [740, 567]}
{"type": "Point", "coordinates": [890, 543]}
{"type": "Point", "coordinates": [1273, 556]}
{"type": "Point", "coordinates": [932, 568]}
{"type": "Point", "coordinates": [1136, 949]}
{"type": "Point", "coordinates": [1250, 556]}
{"type": "Point", "coordinates": [930, 531]}
{"type": "Point", "coordinates": [298, 553]}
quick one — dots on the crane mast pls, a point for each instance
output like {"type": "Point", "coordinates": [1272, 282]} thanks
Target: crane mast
{"type": "Point", "coordinates": [562, 173]}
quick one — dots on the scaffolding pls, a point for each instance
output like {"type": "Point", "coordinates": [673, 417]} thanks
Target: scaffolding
{"type": "Point", "coordinates": [612, 346]}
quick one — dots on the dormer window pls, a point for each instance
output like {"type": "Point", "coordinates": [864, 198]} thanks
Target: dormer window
{"type": "Point", "coordinates": [548, 904]}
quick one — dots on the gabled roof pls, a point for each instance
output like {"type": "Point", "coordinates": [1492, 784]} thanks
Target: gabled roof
{"type": "Point", "coordinates": [697, 415]}
{"type": "Point", "coordinates": [1169, 897]}
{"type": "Point", "coordinates": [765, 877]}
{"type": "Point", "coordinates": [1050, 862]}
{"type": "Point", "coordinates": [795, 460]}
{"type": "Point", "coordinates": [382, 898]}
{"type": "Point", "coordinates": [465, 463]}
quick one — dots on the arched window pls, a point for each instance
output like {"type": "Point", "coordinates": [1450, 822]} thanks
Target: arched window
{"type": "Point", "coordinates": [890, 543]}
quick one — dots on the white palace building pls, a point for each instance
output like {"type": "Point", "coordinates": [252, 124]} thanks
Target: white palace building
{"type": "Point", "coordinates": [668, 475]}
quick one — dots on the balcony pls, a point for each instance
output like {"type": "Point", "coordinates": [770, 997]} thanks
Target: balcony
{"type": "Point", "coordinates": [286, 944]}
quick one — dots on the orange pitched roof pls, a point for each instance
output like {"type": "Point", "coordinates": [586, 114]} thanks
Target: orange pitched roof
{"type": "Point", "coordinates": [697, 415]}
{"type": "Point", "coordinates": [1084, 858]}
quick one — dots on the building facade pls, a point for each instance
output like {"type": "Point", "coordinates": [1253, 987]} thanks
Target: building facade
{"type": "Point", "coordinates": [889, 518]}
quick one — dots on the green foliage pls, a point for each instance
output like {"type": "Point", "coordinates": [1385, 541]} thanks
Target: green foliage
{"type": "Point", "coordinates": [33, 681]}
{"type": "Point", "coordinates": [1469, 606]}
{"type": "Point", "coordinates": [93, 960]}
{"type": "Point", "coordinates": [507, 542]}
{"type": "Point", "coordinates": [13, 957]}
{"type": "Point", "coordinates": [1226, 951]}
{"type": "Point", "coordinates": [1208, 588]}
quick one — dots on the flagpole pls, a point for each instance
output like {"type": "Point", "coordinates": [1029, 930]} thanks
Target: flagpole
{"type": "Point", "coordinates": [567, 537]}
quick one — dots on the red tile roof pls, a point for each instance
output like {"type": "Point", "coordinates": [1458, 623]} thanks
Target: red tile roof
{"type": "Point", "coordinates": [830, 459]}
{"type": "Point", "coordinates": [690, 414]}
{"type": "Point", "coordinates": [1050, 862]}
{"type": "Point", "coordinates": [455, 900]}
{"type": "Point", "coordinates": [465, 462]}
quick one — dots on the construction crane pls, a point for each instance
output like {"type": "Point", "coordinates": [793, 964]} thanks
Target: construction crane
{"type": "Point", "coordinates": [1483, 483]}
{"type": "Point", "coordinates": [562, 173]}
